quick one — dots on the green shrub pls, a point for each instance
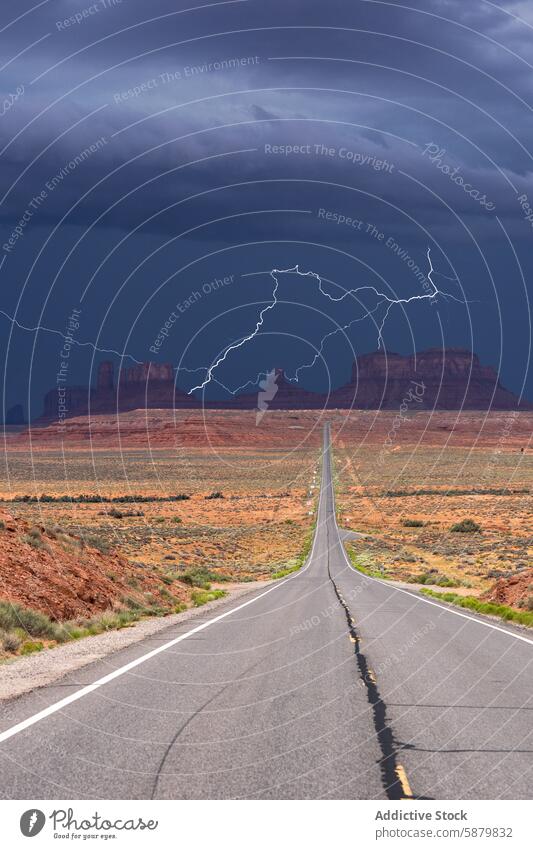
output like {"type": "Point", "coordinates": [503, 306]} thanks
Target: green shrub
{"type": "Point", "coordinates": [420, 579]}
{"type": "Point", "coordinates": [96, 542]}
{"type": "Point", "coordinates": [10, 641]}
{"type": "Point", "coordinates": [466, 526]}
{"type": "Point", "coordinates": [126, 617]}
{"type": "Point", "coordinates": [432, 578]}
{"type": "Point", "coordinates": [132, 603]}
{"type": "Point", "coordinates": [282, 573]}
{"type": "Point", "coordinates": [200, 597]}
{"type": "Point", "coordinates": [198, 578]}
{"type": "Point", "coordinates": [34, 538]}
{"type": "Point", "coordinates": [61, 632]}
{"type": "Point", "coordinates": [31, 621]}
{"type": "Point", "coordinates": [412, 523]}
{"type": "Point", "coordinates": [444, 581]}
{"type": "Point", "coordinates": [216, 494]}
{"type": "Point", "coordinates": [107, 621]}
{"type": "Point", "coordinates": [29, 647]}
{"type": "Point", "coordinates": [75, 633]}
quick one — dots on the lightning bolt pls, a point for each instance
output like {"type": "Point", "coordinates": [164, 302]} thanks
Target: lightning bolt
{"type": "Point", "coordinates": [33, 820]}
{"type": "Point", "coordinates": [43, 329]}
{"type": "Point", "coordinates": [71, 340]}
{"type": "Point", "coordinates": [209, 371]}
{"type": "Point", "coordinates": [243, 341]}
{"type": "Point", "coordinates": [382, 299]}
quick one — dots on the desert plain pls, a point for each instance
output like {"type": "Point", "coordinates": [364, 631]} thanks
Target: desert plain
{"type": "Point", "coordinates": [198, 500]}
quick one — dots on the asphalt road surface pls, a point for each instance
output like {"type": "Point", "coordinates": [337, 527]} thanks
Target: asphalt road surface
{"type": "Point", "coordinates": [327, 684]}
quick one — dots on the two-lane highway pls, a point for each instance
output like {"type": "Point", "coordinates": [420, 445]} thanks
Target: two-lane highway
{"type": "Point", "coordinates": [328, 684]}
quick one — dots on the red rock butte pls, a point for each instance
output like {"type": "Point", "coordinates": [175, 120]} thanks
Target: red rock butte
{"type": "Point", "coordinates": [442, 379]}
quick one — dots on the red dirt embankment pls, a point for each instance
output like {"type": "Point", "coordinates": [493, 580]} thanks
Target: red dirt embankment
{"type": "Point", "coordinates": [515, 591]}
{"type": "Point", "coordinates": [63, 576]}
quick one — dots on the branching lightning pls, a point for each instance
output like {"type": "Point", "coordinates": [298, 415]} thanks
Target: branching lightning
{"type": "Point", "coordinates": [382, 299]}
{"type": "Point", "coordinates": [243, 341]}
{"type": "Point", "coordinates": [42, 328]}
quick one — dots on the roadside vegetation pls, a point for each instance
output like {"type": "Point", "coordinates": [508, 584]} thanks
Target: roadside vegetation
{"type": "Point", "coordinates": [24, 631]}
{"type": "Point", "coordinates": [68, 557]}
{"type": "Point", "coordinates": [364, 564]}
{"type": "Point", "coordinates": [489, 608]}
{"type": "Point", "coordinates": [197, 577]}
{"type": "Point", "coordinates": [297, 562]}
{"type": "Point", "coordinates": [433, 578]}
{"type": "Point", "coordinates": [200, 597]}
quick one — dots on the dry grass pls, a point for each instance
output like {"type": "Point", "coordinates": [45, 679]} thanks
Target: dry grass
{"type": "Point", "coordinates": [256, 523]}
{"type": "Point", "coordinates": [264, 475]}
{"type": "Point", "coordinates": [412, 534]}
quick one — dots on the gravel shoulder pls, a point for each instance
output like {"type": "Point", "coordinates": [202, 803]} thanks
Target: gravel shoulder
{"type": "Point", "coordinates": [25, 674]}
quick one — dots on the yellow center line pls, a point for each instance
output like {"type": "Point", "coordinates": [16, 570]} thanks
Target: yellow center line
{"type": "Point", "coordinates": [404, 781]}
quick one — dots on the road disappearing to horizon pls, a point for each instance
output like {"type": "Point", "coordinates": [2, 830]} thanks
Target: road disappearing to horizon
{"type": "Point", "coordinates": [327, 684]}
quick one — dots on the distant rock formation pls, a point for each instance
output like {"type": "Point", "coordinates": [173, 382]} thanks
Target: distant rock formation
{"type": "Point", "coordinates": [144, 386]}
{"type": "Point", "coordinates": [143, 373]}
{"type": "Point", "coordinates": [15, 416]}
{"type": "Point", "coordinates": [449, 379]}
{"type": "Point", "coordinates": [104, 380]}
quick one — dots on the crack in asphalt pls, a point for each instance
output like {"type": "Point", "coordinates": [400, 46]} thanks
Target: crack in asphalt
{"type": "Point", "coordinates": [390, 768]}
{"type": "Point", "coordinates": [395, 787]}
{"type": "Point", "coordinates": [389, 760]}
{"type": "Point", "coordinates": [160, 774]}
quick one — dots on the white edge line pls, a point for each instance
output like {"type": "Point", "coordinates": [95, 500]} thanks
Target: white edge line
{"type": "Point", "coordinates": [79, 694]}
{"type": "Point", "coordinates": [90, 688]}
{"type": "Point", "coordinates": [441, 605]}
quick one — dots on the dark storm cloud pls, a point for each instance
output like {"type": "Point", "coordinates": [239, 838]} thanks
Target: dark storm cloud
{"type": "Point", "coordinates": [473, 118]}
{"type": "Point", "coordinates": [440, 94]}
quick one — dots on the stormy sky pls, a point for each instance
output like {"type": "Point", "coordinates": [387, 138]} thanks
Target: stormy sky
{"type": "Point", "coordinates": [160, 160]}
